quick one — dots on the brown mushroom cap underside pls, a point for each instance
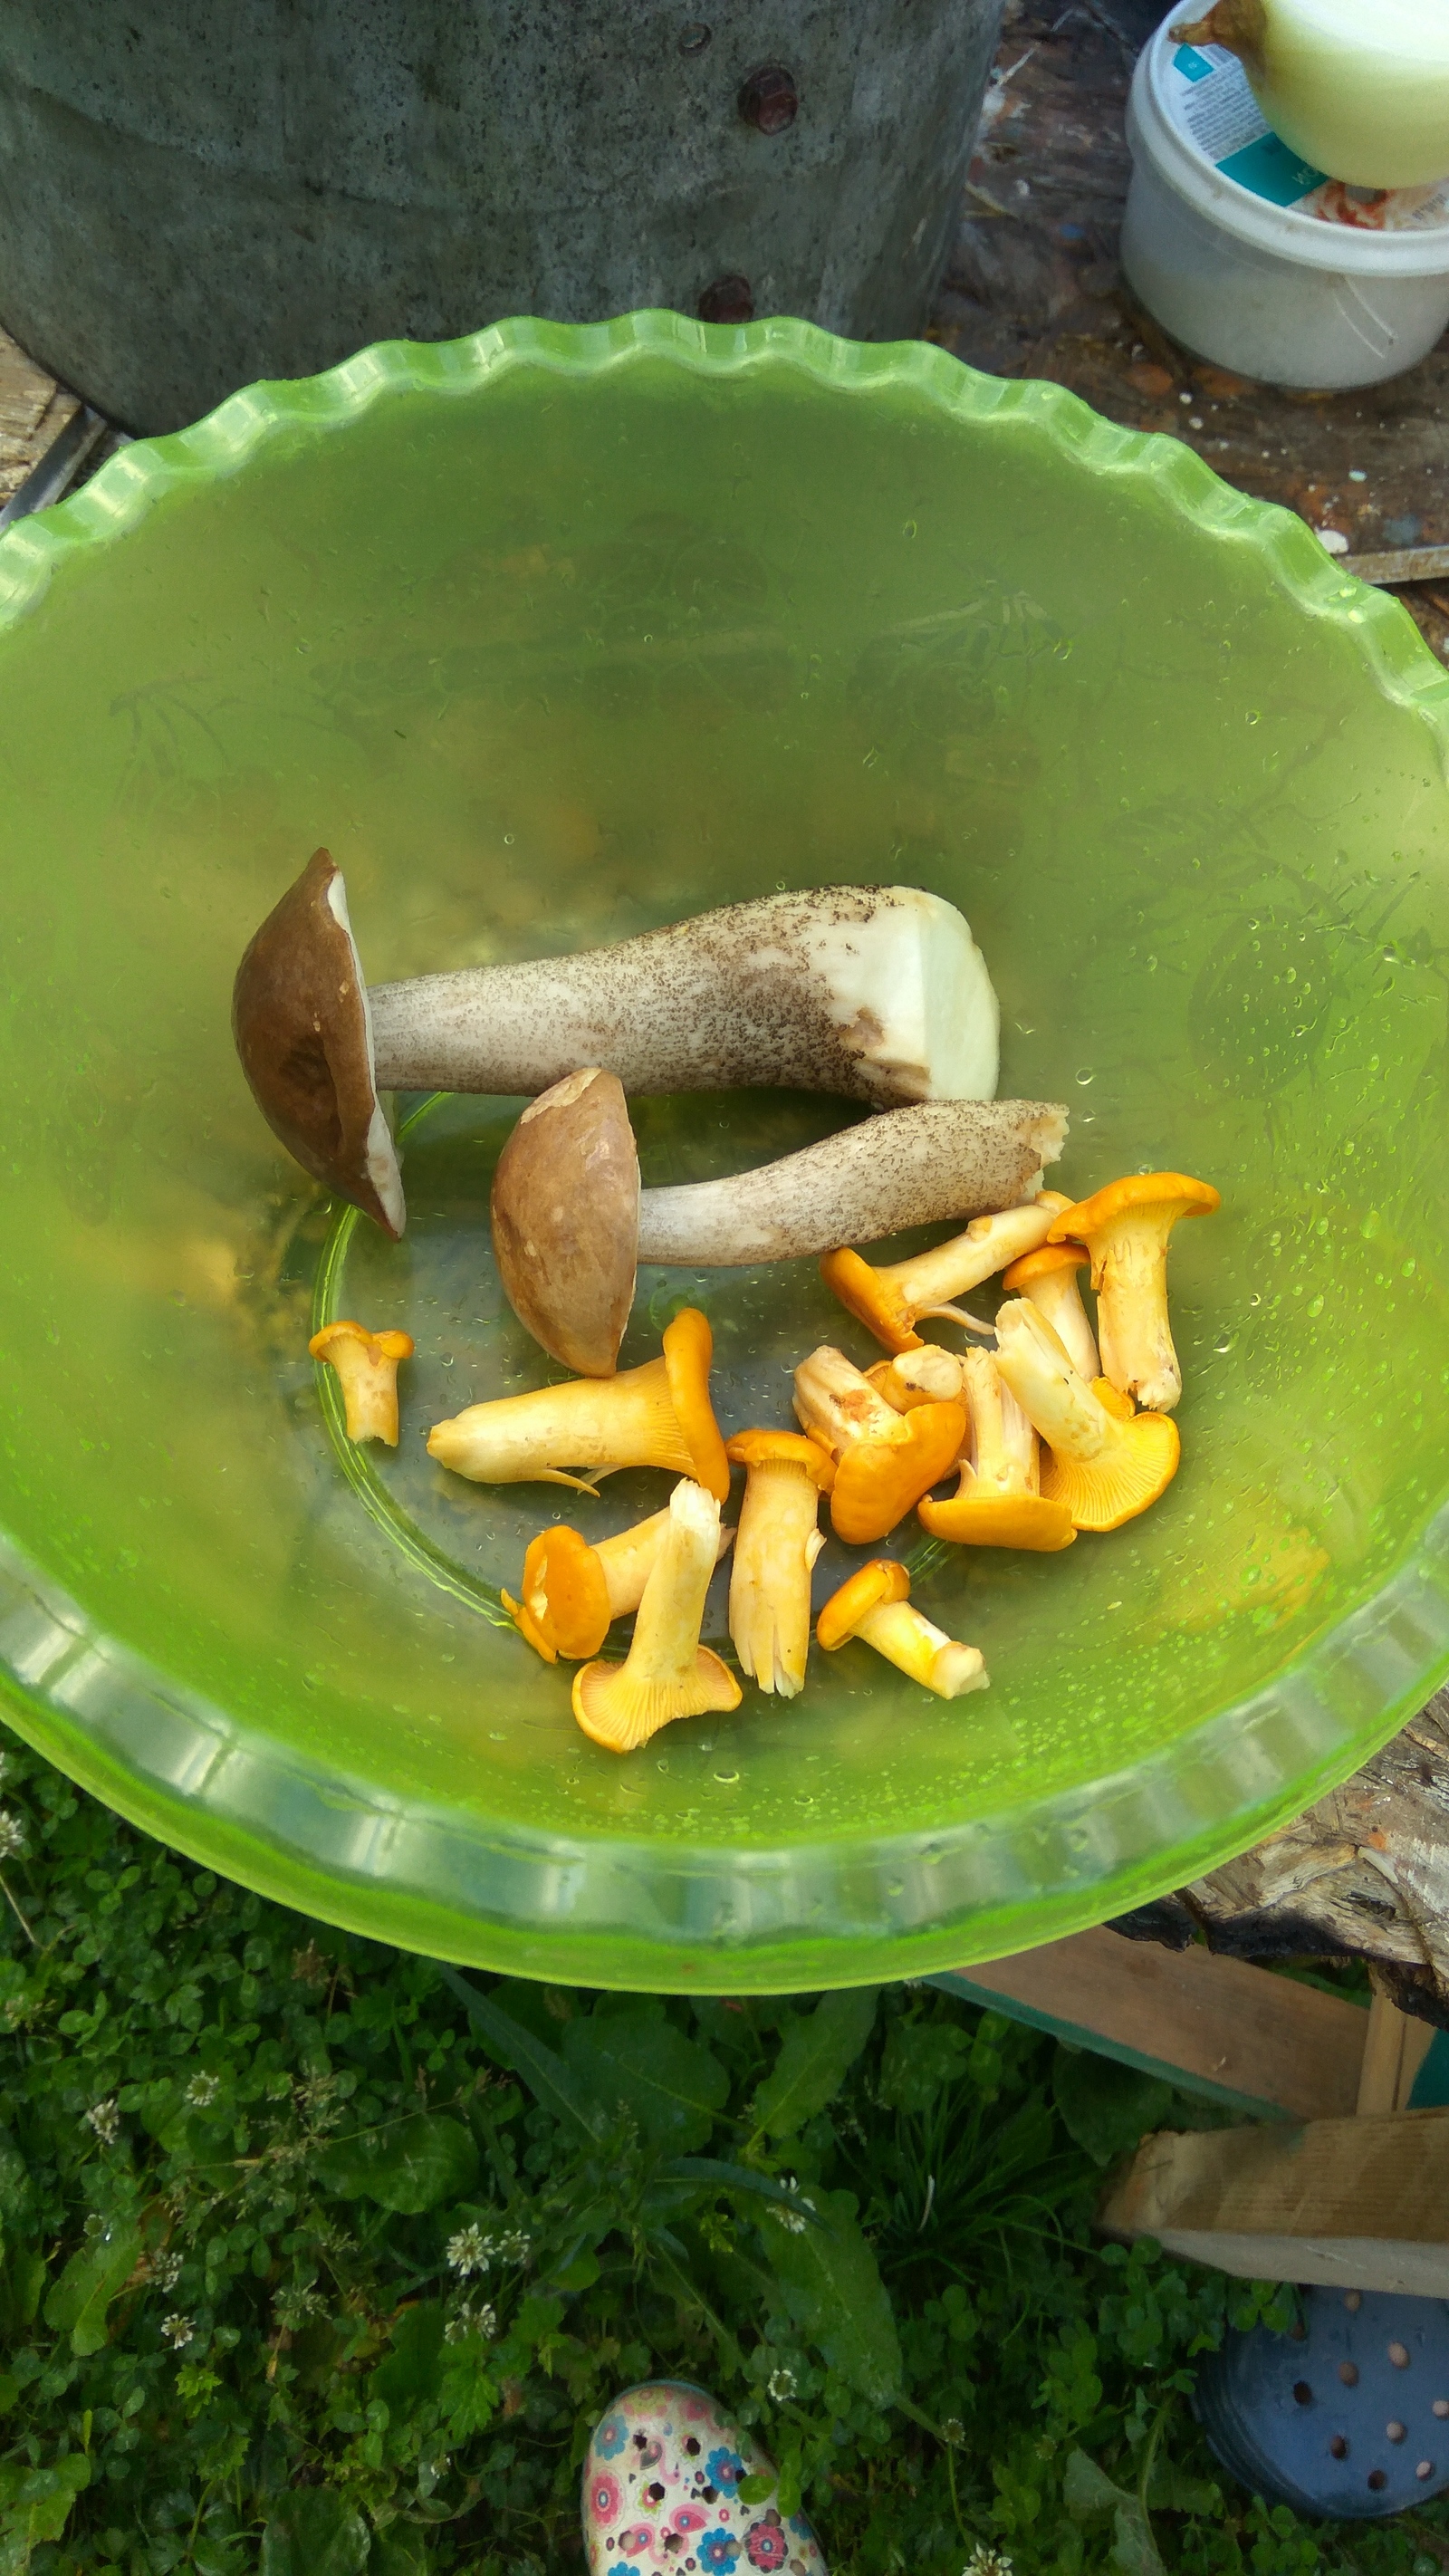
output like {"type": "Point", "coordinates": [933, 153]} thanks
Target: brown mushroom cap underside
{"type": "Point", "coordinates": [300, 1021]}
{"type": "Point", "coordinates": [566, 1220]}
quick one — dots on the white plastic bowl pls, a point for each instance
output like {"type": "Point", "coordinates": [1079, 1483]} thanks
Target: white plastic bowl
{"type": "Point", "coordinates": [1225, 246]}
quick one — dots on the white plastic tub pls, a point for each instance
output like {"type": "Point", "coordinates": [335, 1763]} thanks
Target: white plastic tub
{"type": "Point", "coordinates": [1251, 258]}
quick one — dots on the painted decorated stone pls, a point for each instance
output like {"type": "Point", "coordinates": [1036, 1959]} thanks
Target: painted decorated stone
{"type": "Point", "coordinates": [661, 2493]}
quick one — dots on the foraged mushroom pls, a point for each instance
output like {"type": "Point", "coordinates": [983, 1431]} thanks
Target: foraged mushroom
{"type": "Point", "coordinates": [777, 1546]}
{"type": "Point", "coordinates": [926, 1375]}
{"type": "Point", "coordinates": [878, 993]}
{"type": "Point", "coordinates": [874, 1604]}
{"type": "Point", "coordinates": [667, 1672]}
{"type": "Point", "coordinates": [659, 1415]}
{"type": "Point", "coordinates": [1000, 1502]}
{"type": "Point", "coordinates": [884, 1461]}
{"type": "Point", "coordinates": [303, 1029]}
{"type": "Point", "coordinates": [566, 1220]}
{"type": "Point", "coordinates": [366, 1365]}
{"type": "Point", "coordinates": [1106, 1470]}
{"type": "Point", "coordinates": [891, 1301]}
{"type": "Point", "coordinates": [1125, 1228]}
{"type": "Point", "coordinates": [1049, 1278]}
{"type": "Point", "coordinates": [570, 1222]}
{"type": "Point", "coordinates": [572, 1592]}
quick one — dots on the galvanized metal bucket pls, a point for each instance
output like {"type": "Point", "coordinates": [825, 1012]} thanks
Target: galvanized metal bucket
{"type": "Point", "coordinates": [194, 197]}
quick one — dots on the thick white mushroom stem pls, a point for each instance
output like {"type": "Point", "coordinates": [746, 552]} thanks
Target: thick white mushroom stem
{"type": "Point", "coordinates": [878, 993]}
{"type": "Point", "coordinates": [891, 1299]}
{"type": "Point", "coordinates": [912, 1167]}
{"type": "Point", "coordinates": [667, 1672]}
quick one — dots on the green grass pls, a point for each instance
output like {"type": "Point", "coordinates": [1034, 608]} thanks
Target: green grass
{"type": "Point", "coordinates": [318, 2258]}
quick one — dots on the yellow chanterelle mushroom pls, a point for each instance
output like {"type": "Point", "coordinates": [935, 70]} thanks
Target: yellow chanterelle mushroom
{"type": "Point", "coordinates": [667, 1672]}
{"type": "Point", "coordinates": [366, 1366]}
{"type": "Point", "coordinates": [875, 1605]}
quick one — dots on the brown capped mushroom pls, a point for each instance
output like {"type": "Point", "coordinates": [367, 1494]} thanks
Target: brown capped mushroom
{"type": "Point", "coordinates": [877, 993]}
{"type": "Point", "coordinates": [303, 1030]}
{"type": "Point", "coordinates": [570, 1221]}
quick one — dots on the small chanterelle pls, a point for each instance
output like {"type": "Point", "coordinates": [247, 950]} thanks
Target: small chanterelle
{"type": "Point", "coordinates": [1053, 1422]}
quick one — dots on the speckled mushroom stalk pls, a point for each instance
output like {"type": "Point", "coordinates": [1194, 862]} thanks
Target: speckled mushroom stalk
{"type": "Point", "coordinates": [667, 1672]}
{"type": "Point", "coordinates": [570, 1222]}
{"type": "Point", "coordinates": [877, 993]}
{"type": "Point", "coordinates": [572, 1593]}
{"type": "Point", "coordinates": [884, 1460]}
{"type": "Point", "coordinates": [659, 1415]}
{"type": "Point", "coordinates": [892, 1300]}
{"type": "Point", "coordinates": [1125, 1227]}
{"type": "Point", "coordinates": [999, 1502]}
{"type": "Point", "coordinates": [366, 1366]}
{"type": "Point", "coordinates": [874, 1604]}
{"type": "Point", "coordinates": [1103, 1468]}
{"type": "Point", "coordinates": [778, 1543]}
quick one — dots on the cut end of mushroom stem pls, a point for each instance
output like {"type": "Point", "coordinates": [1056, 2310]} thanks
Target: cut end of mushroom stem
{"type": "Point", "coordinates": [667, 1673]}
{"type": "Point", "coordinates": [874, 1605]}
{"type": "Point", "coordinates": [365, 1365]}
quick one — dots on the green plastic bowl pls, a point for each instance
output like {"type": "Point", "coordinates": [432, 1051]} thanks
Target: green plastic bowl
{"type": "Point", "coordinates": [550, 635]}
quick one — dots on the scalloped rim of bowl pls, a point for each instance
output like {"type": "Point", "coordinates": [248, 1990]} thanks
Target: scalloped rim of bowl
{"type": "Point", "coordinates": [709, 1918]}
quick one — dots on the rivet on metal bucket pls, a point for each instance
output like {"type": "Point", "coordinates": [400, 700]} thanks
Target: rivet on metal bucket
{"type": "Point", "coordinates": [769, 98]}
{"type": "Point", "coordinates": [694, 37]}
{"type": "Point", "coordinates": [729, 299]}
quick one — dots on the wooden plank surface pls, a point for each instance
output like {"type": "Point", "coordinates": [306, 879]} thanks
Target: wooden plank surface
{"type": "Point", "coordinates": [33, 411]}
{"type": "Point", "coordinates": [1233, 2033]}
{"type": "Point", "coordinates": [1358, 2204]}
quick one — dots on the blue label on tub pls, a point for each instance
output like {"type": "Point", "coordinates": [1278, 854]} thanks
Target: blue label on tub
{"type": "Point", "coordinates": [1270, 170]}
{"type": "Point", "coordinates": [1192, 65]}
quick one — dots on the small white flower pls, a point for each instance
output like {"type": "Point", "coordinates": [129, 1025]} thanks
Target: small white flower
{"type": "Point", "coordinates": [12, 1833]}
{"type": "Point", "coordinates": [202, 2091]}
{"type": "Point", "coordinates": [470, 2250]}
{"type": "Point", "coordinates": [471, 2321]}
{"type": "Point", "coordinates": [953, 2431]}
{"type": "Point", "coordinates": [793, 2221]}
{"type": "Point", "coordinates": [295, 2304]}
{"type": "Point", "coordinates": [166, 2271]}
{"type": "Point", "coordinates": [781, 2384]}
{"type": "Point", "coordinates": [986, 2561]}
{"type": "Point", "coordinates": [513, 2247]}
{"type": "Point", "coordinates": [105, 2119]}
{"type": "Point", "coordinates": [178, 2330]}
